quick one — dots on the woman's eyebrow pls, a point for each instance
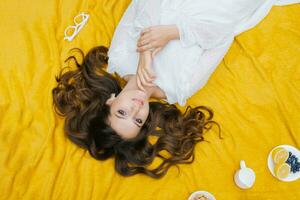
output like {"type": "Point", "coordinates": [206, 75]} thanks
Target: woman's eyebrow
{"type": "Point", "coordinates": [120, 117]}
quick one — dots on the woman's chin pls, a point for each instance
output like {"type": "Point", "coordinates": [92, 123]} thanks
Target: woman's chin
{"type": "Point", "coordinates": [141, 94]}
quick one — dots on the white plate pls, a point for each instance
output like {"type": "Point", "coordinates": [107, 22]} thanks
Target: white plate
{"type": "Point", "coordinates": [205, 193]}
{"type": "Point", "coordinates": [271, 165]}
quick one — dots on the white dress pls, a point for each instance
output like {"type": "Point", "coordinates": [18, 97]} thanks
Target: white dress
{"type": "Point", "coordinates": [206, 27]}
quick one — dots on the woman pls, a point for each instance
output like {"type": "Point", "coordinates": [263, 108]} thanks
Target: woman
{"type": "Point", "coordinates": [171, 60]}
{"type": "Point", "coordinates": [112, 122]}
{"type": "Point", "coordinates": [187, 40]}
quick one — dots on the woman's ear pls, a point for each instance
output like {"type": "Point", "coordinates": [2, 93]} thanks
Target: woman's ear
{"type": "Point", "coordinates": [111, 99]}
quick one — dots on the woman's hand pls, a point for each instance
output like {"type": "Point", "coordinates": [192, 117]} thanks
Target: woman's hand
{"type": "Point", "coordinates": [155, 38]}
{"type": "Point", "coordinates": [145, 74]}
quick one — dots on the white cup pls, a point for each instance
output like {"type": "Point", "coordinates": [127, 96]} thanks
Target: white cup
{"type": "Point", "coordinates": [244, 177]}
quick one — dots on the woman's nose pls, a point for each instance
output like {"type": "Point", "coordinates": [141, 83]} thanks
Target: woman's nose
{"type": "Point", "coordinates": [135, 109]}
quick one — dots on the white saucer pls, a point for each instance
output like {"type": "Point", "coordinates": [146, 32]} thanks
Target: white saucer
{"type": "Point", "coordinates": [271, 165]}
{"type": "Point", "coordinates": [205, 193]}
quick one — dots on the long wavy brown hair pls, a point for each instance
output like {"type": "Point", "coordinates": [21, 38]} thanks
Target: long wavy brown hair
{"type": "Point", "coordinates": [80, 97]}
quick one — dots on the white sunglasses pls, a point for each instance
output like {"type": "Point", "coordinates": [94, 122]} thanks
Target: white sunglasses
{"type": "Point", "coordinates": [80, 20]}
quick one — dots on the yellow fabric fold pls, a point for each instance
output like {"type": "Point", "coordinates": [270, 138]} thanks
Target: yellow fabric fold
{"type": "Point", "coordinates": [254, 94]}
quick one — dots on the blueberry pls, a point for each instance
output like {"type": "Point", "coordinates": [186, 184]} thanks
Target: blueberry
{"type": "Point", "coordinates": [295, 162]}
{"type": "Point", "coordinates": [288, 161]}
{"type": "Point", "coordinates": [293, 157]}
{"type": "Point", "coordinates": [297, 167]}
{"type": "Point", "coordinates": [295, 170]}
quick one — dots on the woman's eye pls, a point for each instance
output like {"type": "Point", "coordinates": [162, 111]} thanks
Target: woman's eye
{"type": "Point", "coordinates": [122, 112]}
{"type": "Point", "coordinates": [139, 121]}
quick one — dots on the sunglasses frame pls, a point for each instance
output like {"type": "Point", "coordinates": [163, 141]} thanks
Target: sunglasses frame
{"type": "Point", "coordinates": [77, 27]}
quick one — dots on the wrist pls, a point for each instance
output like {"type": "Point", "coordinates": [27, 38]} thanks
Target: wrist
{"type": "Point", "coordinates": [173, 32]}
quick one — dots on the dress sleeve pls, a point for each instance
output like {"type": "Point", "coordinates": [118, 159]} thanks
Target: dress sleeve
{"type": "Point", "coordinates": [211, 23]}
{"type": "Point", "coordinates": [122, 32]}
{"type": "Point", "coordinates": [123, 58]}
{"type": "Point", "coordinates": [207, 34]}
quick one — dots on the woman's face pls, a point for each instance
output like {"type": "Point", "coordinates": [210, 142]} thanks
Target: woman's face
{"type": "Point", "coordinates": [128, 112]}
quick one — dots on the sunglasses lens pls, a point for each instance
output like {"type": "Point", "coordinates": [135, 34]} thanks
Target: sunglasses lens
{"type": "Point", "coordinates": [70, 31]}
{"type": "Point", "coordinates": [79, 19]}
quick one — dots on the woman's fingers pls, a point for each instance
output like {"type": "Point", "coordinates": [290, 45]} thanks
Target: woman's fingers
{"type": "Point", "coordinates": [142, 43]}
{"type": "Point", "coordinates": [145, 81]}
{"type": "Point", "coordinates": [143, 40]}
{"type": "Point", "coordinates": [153, 53]}
{"type": "Point", "coordinates": [149, 71]}
{"type": "Point", "coordinates": [149, 74]}
{"type": "Point", "coordinates": [145, 73]}
{"type": "Point", "coordinates": [145, 43]}
{"type": "Point", "coordinates": [142, 78]}
{"type": "Point", "coordinates": [139, 84]}
{"type": "Point", "coordinates": [146, 30]}
{"type": "Point", "coordinates": [146, 47]}
{"type": "Point", "coordinates": [148, 79]}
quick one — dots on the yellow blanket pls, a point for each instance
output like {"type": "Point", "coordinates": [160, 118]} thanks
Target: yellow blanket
{"type": "Point", "coordinates": [254, 93]}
